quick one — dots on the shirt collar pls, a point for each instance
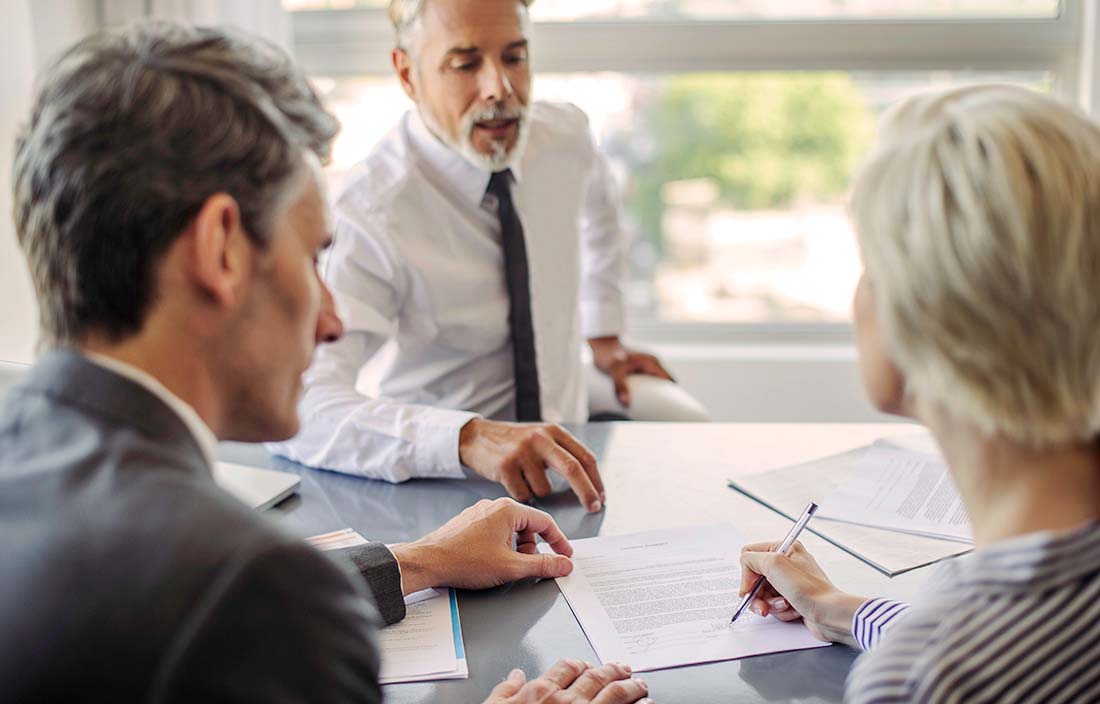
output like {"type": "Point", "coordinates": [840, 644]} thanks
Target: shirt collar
{"type": "Point", "coordinates": [467, 180]}
{"type": "Point", "coordinates": [205, 437]}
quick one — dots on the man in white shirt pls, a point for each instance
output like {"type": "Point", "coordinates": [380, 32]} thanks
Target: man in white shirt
{"type": "Point", "coordinates": [481, 237]}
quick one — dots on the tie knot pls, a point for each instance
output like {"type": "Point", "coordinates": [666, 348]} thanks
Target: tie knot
{"type": "Point", "coordinates": [500, 183]}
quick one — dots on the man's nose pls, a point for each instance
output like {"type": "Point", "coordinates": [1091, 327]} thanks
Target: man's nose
{"type": "Point", "coordinates": [495, 85]}
{"type": "Point", "coordinates": [329, 326]}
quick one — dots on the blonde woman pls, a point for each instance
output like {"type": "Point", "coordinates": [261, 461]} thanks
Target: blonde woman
{"type": "Point", "coordinates": [978, 216]}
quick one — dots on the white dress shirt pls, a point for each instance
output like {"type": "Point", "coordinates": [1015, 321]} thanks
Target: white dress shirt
{"type": "Point", "coordinates": [204, 436]}
{"type": "Point", "coordinates": [417, 260]}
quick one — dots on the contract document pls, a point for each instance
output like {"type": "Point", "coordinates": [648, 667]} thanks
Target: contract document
{"type": "Point", "coordinates": [901, 490]}
{"type": "Point", "coordinates": [664, 599]}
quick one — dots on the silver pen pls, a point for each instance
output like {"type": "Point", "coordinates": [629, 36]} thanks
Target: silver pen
{"type": "Point", "coordinates": [784, 548]}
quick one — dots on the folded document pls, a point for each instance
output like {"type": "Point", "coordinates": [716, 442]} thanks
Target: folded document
{"type": "Point", "coordinates": [427, 643]}
{"type": "Point", "coordinates": [901, 490]}
{"type": "Point", "coordinates": [847, 487]}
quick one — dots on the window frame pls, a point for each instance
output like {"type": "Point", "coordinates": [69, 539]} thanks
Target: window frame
{"type": "Point", "coordinates": [357, 42]}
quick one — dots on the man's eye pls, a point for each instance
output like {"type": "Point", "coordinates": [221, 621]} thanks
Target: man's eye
{"type": "Point", "coordinates": [513, 60]}
{"type": "Point", "coordinates": [468, 66]}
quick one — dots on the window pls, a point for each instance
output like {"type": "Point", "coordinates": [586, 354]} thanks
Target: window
{"type": "Point", "coordinates": [734, 126]}
{"type": "Point", "coordinates": [564, 10]}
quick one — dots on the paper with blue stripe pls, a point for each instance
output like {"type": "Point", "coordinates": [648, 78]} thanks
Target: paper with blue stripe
{"type": "Point", "coordinates": [427, 644]}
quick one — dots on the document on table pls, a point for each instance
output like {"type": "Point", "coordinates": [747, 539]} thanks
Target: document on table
{"type": "Point", "coordinates": [427, 643]}
{"type": "Point", "coordinates": [787, 490]}
{"type": "Point", "coordinates": [664, 599]}
{"type": "Point", "coordinates": [901, 490]}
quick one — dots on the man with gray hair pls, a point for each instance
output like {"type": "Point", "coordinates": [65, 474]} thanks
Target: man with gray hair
{"type": "Point", "coordinates": [481, 239]}
{"type": "Point", "coordinates": [168, 198]}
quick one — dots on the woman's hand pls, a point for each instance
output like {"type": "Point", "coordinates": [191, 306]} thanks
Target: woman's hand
{"type": "Point", "coordinates": [797, 588]}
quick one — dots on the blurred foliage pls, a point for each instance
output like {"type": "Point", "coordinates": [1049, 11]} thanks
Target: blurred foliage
{"type": "Point", "coordinates": [767, 140]}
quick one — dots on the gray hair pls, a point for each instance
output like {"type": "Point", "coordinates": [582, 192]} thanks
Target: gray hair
{"type": "Point", "coordinates": [978, 216]}
{"type": "Point", "coordinates": [405, 16]}
{"type": "Point", "coordinates": [131, 131]}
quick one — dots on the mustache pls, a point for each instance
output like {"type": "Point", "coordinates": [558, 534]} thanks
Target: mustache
{"type": "Point", "coordinates": [498, 111]}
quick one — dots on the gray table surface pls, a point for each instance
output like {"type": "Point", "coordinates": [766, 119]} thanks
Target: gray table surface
{"type": "Point", "coordinates": [656, 476]}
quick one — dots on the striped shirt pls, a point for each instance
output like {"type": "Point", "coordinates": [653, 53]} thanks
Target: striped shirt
{"type": "Point", "coordinates": [1015, 622]}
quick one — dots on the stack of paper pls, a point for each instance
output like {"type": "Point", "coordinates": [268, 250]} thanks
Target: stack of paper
{"type": "Point", "coordinates": [664, 599]}
{"type": "Point", "coordinates": [787, 490]}
{"type": "Point", "coordinates": [427, 643]}
{"type": "Point", "coordinates": [901, 490]}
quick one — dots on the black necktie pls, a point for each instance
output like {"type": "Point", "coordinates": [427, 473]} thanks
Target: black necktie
{"type": "Point", "coordinates": [528, 406]}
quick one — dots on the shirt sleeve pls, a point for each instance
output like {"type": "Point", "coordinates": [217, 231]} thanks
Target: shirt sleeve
{"type": "Point", "coordinates": [874, 618]}
{"type": "Point", "coordinates": [343, 429]}
{"type": "Point", "coordinates": [379, 568]}
{"type": "Point", "coordinates": [603, 251]}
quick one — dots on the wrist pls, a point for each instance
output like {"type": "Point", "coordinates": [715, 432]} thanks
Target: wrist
{"type": "Point", "coordinates": [418, 566]}
{"type": "Point", "coordinates": [835, 616]}
{"type": "Point", "coordinates": [467, 438]}
{"type": "Point", "coordinates": [605, 351]}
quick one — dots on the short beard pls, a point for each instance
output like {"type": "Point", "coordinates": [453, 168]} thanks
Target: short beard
{"type": "Point", "coordinates": [502, 157]}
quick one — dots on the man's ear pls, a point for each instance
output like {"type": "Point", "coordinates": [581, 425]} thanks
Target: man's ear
{"type": "Point", "coordinates": [403, 67]}
{"type": "Point", "coordinates": [222, 254]}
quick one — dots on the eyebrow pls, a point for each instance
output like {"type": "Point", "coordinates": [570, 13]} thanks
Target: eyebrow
{"type": "Point", "coordinates": [469, 50]}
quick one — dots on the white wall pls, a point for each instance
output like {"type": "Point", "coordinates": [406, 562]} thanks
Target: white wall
{"type": "Point", "coordinates": [17, 309]}
{"type": "Point", "coordinates": [770, 383]}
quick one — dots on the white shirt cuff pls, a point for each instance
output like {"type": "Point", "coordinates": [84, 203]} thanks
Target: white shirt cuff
{"type": "Point", "coordinates": [600, 319]}
{"type": "Point", "coordinates": [436, 445]}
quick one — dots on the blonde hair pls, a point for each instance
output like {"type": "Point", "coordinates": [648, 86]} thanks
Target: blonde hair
{"type": "Point", "coordinates": [978, 216]}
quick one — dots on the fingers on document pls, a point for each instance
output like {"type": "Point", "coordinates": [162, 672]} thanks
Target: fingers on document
{"type": "Point", "coordinates": [771, 602]}
{"type": "Point", "coordinates": [533, 521]}
{"type": "Point", "coordinates": [527, 542]}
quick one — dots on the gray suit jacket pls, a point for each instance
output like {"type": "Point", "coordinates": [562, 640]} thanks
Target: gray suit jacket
{"type": "Point", "coordinates": [127, 575]}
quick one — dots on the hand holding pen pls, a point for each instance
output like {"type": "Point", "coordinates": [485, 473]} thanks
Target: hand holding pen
{"type": "Point", "coordinates": [797, 588]}
{"type": "Point", "coordinates": [784, 549]}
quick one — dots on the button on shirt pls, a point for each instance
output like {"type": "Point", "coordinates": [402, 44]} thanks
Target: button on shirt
{"type": "Point", "coordinates": [417, 261]}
